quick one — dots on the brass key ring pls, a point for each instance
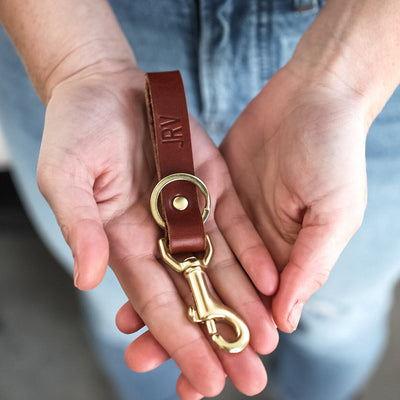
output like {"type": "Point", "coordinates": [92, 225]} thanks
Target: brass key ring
{"type": "Point", "coordinates": [181, 176]}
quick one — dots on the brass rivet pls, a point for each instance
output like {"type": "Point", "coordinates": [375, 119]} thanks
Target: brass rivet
{"type": "Point", "coordinates": [180, 203]}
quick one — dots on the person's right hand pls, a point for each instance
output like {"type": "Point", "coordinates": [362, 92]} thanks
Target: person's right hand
{"type": "Point", "coordinates": [97, 171]}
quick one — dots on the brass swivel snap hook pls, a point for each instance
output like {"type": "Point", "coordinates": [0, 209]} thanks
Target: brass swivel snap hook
{"type": "Point", "coordinates": [207, 310]}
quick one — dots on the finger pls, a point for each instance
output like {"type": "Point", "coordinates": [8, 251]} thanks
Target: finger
{"type": "Point", "coordinates": [162, 309]}
{"type": "Point", "coordinates": [155, 298]}
{"type": "Point", "coordinates": [236, 291]}
{"type": "Point", "coordinates": [145, 353]}
{"type": "Point", "coordinates": [314, 253]}
{"type": "Point", "coordinates": [231, 217]}
{"type": "Point", "coordinates": [128, 320]}
{"type": "Point", "coordinates": [185, 390]}
{"type": "Point", "coordinates": [246, 243]}
{"type": "Point", "coordinates": [245, 370]}
{"type": "Point", "coordinates": [236, 226]}
{"type": "Point", "coordinates": [229, 280]}
{"type": "Point", "coordinates": [71, 199]}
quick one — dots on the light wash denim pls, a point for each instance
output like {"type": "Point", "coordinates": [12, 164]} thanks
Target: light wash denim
{"type": "Point", "coordinates": [227, 50]}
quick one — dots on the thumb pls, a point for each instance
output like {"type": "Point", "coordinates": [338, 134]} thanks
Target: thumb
{"type": "Point", "coordinates": [77, 214]}
{"type": "Point", "coordinates": [313, 255]}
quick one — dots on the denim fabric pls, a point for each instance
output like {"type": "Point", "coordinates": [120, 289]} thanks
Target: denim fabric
{"type": "Point", "coordinates": [305, 5]}
{"type": "Point", "coordinates": [227, 50]}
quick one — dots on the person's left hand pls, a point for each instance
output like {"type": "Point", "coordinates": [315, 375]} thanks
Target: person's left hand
{"type": "Point", "coordinates": [297, 159]}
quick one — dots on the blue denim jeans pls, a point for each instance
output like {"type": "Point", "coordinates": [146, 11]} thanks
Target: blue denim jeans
{"type": "Point", "coordinates": [227, 50]}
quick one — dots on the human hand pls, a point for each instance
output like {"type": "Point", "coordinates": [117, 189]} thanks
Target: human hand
{"type": "Point", "coordinates": [96, 170]}
{"type": "Point", "coordinates": [297, 159]}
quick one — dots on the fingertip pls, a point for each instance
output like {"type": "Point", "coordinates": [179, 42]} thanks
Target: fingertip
{"type": "Point", "coordinates": [91, 255]}
{"type": "Point", "coordinates": [251, 378]}
{"type": "Point", "coordinates": [259, 383]}
{"type": "Point", "coordinates": [280, 313]}
{"type": "Point", "coordinates": [145, 353]}
{"type": "Point", "coordinates": [246, 243]}
{"type": "Point", "coordinates": [287, 305]}
{"type": "Point", "coordinates": [127, 320]}
{"type": "Point", "coordinates": [283, 322]}
{"type": "Point", "coordinates": [186, 391]}
{"type": "Point", "coordinates": [90, 276]}
{"type": "Point", "coordinates": [297, 284]}
{"type": "Point", "coordinates": [294, 315]}
{"type": "Point", "coordinates": [216, 388]}
{"type": "Point", "coordinates": [263, 272]}
{"type": "Point", "coordinates": [311, 260]}
{"type": "Point", "coordinates": [206, 376]}
{"type": "Point", "coordinates": [263, 333]}
{"type": "Point", "coordinates": [271, 282]}
{"type": "Point", "coordinates": [268, 345]}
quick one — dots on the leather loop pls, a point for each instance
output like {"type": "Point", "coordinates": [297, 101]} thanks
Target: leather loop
{"type": "Point", "coordinates": [170, 133]}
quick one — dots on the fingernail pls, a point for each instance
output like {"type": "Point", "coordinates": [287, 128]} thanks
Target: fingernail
{"type": "Point", "coordinates": [76, 274]}
{"type": "Point", "coordinates": [295, 314]}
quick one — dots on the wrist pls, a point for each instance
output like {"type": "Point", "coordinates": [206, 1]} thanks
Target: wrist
{"type": "Point", "coordinates": [353, 45]}
{"type": "Point", "coordinates": [322, 87]}
{"type": "Point", "coordinates": [96, 57]}
{"type": "Point", "coordinates": [57, 39]}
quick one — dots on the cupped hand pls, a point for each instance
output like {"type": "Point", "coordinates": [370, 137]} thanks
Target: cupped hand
{"type": "Point", "coordinates": [97, 171]}
{"type": "Point", "coordinates": [297, 159]}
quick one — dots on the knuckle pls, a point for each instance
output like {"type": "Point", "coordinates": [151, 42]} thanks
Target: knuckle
{"type": "Point", "coordinates": [165, 300]}
{"type": "Point", "coordinates": [319, 279]}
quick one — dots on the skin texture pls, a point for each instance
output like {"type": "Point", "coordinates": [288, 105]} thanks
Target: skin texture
{"type": "Point", "coordinates": [296, 156]}
{"type": "Point", "coordinates": [297, 152]}
{"type": "Point", "coordinates": [96, 171]}
{"type": "Point", "coordinates": [298, 164]}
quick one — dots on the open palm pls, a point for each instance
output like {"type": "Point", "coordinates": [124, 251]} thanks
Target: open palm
{"type": "Point", "coordinates": [96, 170]}
{"type": "Point", "coordinates": [297, 159]}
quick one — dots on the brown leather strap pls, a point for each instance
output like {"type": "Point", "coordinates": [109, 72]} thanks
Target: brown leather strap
{"type": "Point", "coordinates": [170, 133]}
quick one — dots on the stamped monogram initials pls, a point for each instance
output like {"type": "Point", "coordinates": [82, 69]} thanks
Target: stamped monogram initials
{"type": "Point", "coordinates": [171, 130]}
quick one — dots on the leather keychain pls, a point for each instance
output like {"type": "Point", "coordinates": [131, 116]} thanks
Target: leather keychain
{"type": "Point", "coordinates": [181, 217]}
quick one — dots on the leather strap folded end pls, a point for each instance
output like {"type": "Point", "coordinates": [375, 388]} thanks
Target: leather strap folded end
{"type": "Point", "coordinates": [170, 133]}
